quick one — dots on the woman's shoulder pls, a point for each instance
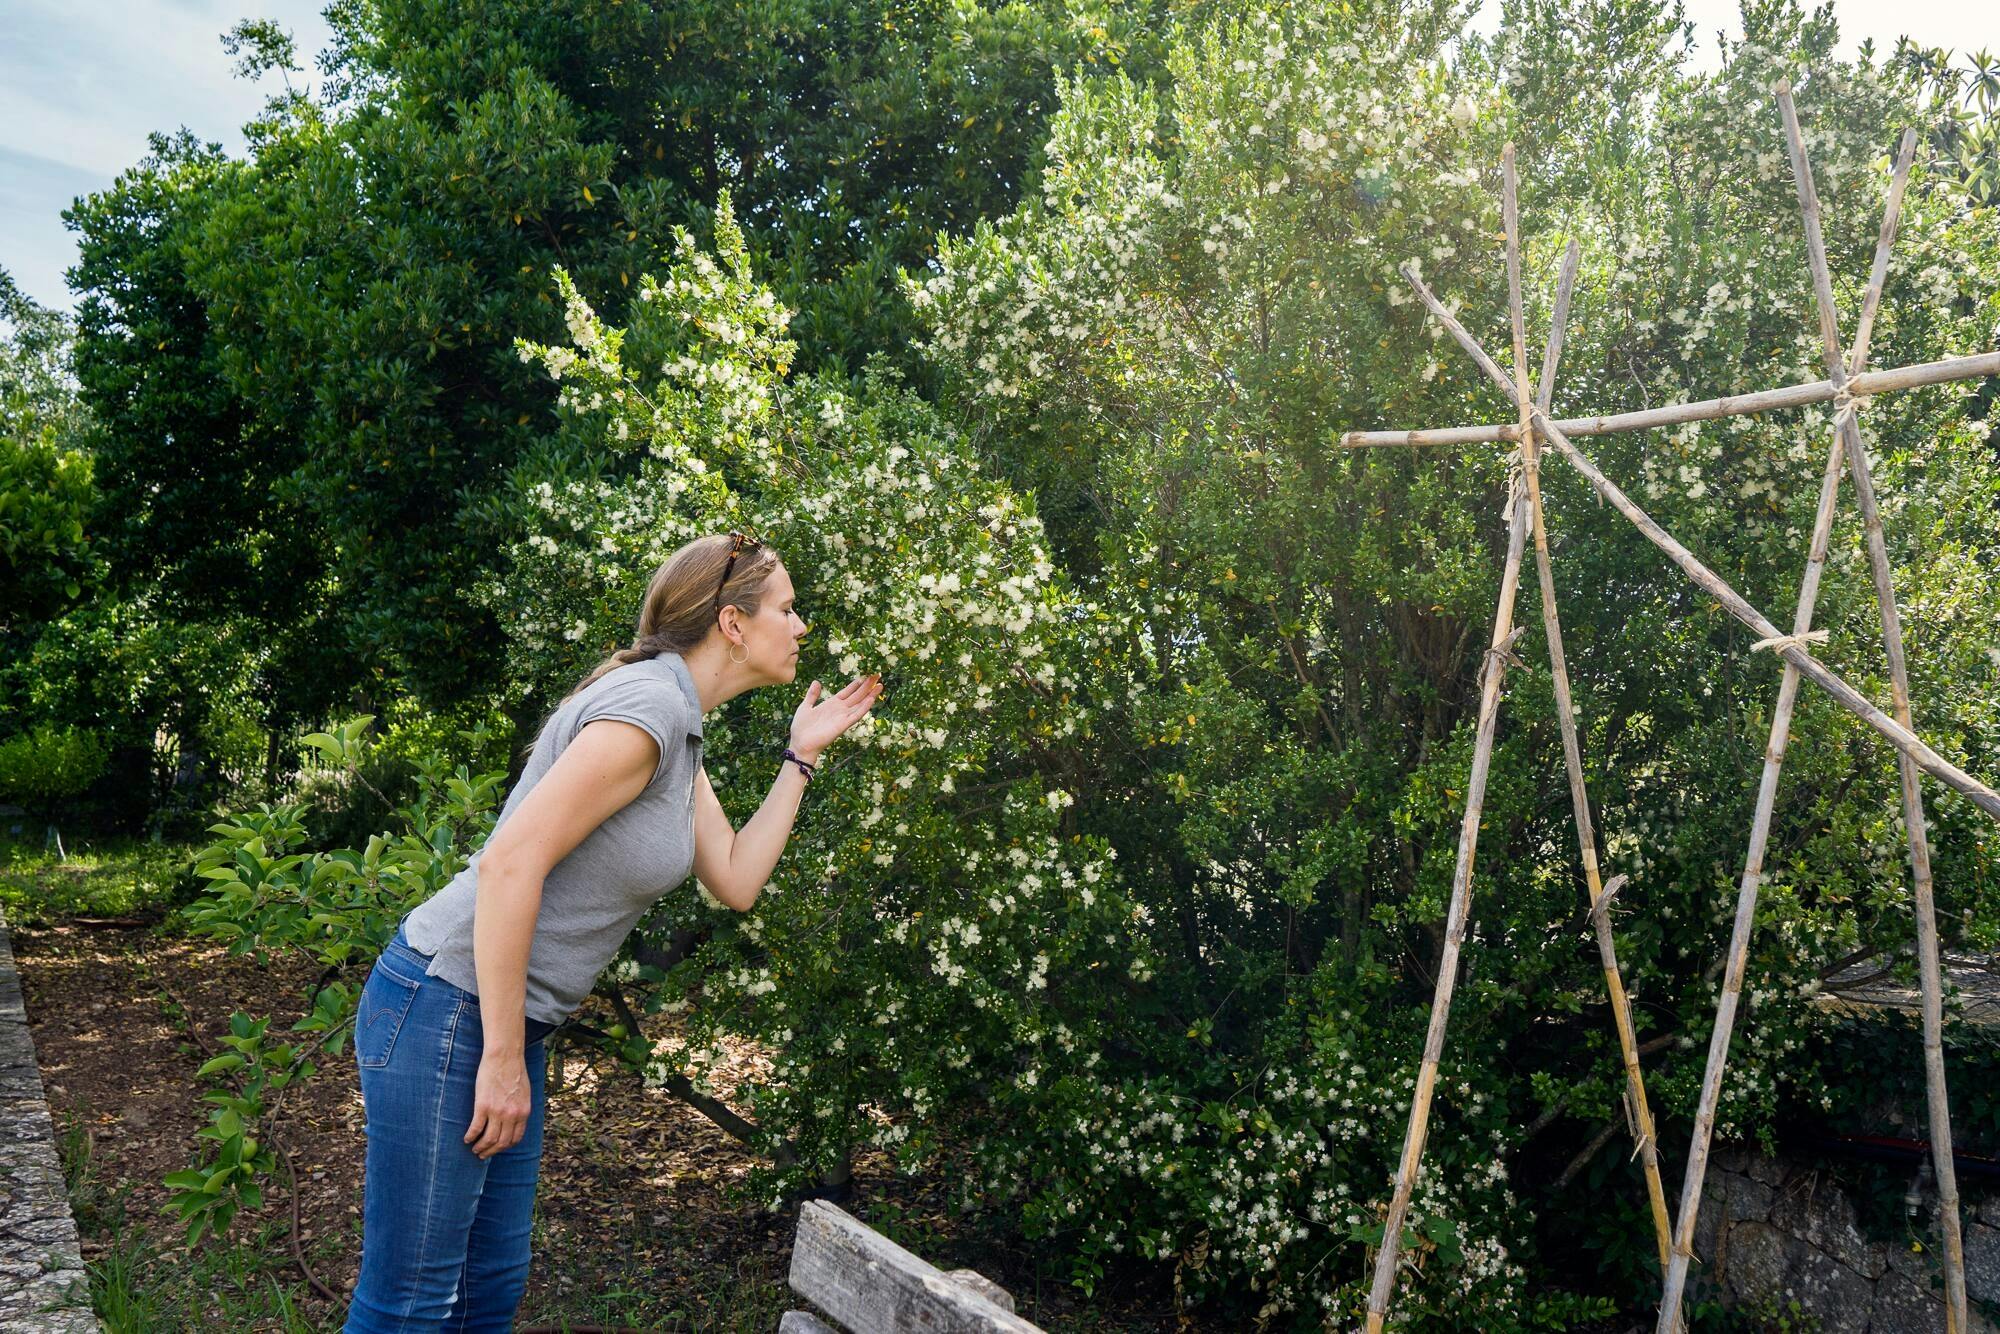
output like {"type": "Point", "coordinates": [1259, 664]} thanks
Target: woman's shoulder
{"type": "Point", "coordinates": [647, 691]}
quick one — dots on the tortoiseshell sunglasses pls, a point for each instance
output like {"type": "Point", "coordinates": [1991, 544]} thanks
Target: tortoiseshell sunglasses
{"type": "Point", "coordinates": [738, 542]}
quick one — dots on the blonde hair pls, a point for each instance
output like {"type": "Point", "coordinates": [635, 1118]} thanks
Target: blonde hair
{"type": "Point", "coordinates": [682, 599]}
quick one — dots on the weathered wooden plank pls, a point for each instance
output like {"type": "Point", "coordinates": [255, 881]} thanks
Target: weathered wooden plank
{"type": "Point", "coordinates": [869, 1284]}
{"type": "Point", "coordinates": [984, 1286]}
{"type": "Point", "coordinates": [803, 1322]}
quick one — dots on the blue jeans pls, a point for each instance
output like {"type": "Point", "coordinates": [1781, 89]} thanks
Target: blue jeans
{"type": "Point", "coordinates": [444, 1232]}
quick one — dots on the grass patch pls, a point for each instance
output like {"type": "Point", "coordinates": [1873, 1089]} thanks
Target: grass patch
{"type": "Point", "coordinates": [140, 1284]}
{"type": "Point", "coordinates": [108, 877]}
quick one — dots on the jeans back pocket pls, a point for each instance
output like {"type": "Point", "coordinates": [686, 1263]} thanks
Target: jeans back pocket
{"type": "Point", "coordinates": [385, 1000]}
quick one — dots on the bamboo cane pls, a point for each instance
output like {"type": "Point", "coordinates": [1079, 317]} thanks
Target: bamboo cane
{"type": "Point", "coordinates": [1675, 414]}
{"type": "Point", "coordinates": [1774, 753]}
{"type": "Point", "coordinates": [1586, 834]}
{"type": "Point", "coordinates": [1785, 646]}
{"type": "Point", "coordinates": [1456, 915]}
{"type": "Point", "coordinates": [1455, 920]}
{"type": "Point", "coordinates": [1849, 430]}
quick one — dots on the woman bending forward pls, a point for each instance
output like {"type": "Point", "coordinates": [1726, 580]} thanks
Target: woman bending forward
{"type": "Point", "coordinates": [612, 811]}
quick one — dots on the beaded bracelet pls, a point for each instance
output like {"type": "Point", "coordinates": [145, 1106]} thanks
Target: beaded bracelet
{"type": "Point", "coordinates": [804, 768]}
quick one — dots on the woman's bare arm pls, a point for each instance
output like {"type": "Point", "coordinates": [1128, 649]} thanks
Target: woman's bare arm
{"type": "Point", "coordinates": [735, 863]}
{"type": "Point", "coordinates": [604, 768]}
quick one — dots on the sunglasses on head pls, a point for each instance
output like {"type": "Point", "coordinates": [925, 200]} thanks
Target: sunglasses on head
{"type": "Point", "coordinates": [738, 541]}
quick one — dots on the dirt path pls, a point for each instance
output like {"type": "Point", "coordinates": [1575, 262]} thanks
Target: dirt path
{"type": "Point", "coordinates": [634, 1222]}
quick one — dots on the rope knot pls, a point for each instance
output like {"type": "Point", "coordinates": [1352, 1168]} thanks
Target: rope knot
{"type": "Point", "coordinates": [1847, 404]}
{"type": "Point", "coordinates": [1600, 910]}
{"type": "Point", "coordinates": [1502, 654]}
{"type": "Point", "coordinates": [1517, 479]}
{"type": "Point", "coordinates": [1779, 643]}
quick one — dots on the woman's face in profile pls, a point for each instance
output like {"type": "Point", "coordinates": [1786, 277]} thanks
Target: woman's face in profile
{"type": "Point", "coordinates": [771, 637]}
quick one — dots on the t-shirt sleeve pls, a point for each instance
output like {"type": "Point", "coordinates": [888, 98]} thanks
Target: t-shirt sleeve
{"type": "Point", "coordinates": [656, 706]}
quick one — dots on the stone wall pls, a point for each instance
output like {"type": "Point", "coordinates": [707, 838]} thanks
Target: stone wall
{"type": "Point", "coordinates": [43, 1286]}
{"type": "Point", "coordinates": [1777, 1228]}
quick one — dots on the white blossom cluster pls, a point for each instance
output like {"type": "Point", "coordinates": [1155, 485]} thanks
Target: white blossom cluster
{"type": "Point", "coordinates": [1265, 130]}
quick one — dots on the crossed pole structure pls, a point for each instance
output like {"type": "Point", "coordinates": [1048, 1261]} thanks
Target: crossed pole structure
{"type": "Point", "coordinates": [1847, 385]}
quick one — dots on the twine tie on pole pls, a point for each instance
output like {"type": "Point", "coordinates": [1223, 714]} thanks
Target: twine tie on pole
{"type": "Point", "coordinates": [1503, 652]}
{"type": "Point", "coordinates": [1779, 643]}
{"type": "Point", "coordinates": [1847, 406]}
{"type": "Point", "coordinates": [1517, 478]}
{"type": "Point", "coordinates": [1602, 908]}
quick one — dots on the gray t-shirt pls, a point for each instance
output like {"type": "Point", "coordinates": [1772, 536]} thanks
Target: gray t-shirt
{"type": "Point", "coordinates": [592, 898]}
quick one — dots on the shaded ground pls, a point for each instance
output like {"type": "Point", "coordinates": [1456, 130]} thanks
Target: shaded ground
{"type": "Point", "coordinates": [635, 1222]}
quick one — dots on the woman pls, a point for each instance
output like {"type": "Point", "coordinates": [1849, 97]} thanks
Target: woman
{"type": "Point", "coordinates": [612, 810]}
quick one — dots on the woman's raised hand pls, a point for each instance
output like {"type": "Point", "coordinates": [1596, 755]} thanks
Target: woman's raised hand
{"type": "Point", "coordinates": [819, 720]}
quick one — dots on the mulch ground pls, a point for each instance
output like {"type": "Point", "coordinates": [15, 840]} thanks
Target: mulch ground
{"type": "Point", "coordinates": [635, 1225]}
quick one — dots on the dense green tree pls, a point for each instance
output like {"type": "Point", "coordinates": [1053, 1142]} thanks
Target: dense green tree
{"type": "Point", "coordinates": [203, 521]}
{"type": "Point", "coordinates": [114, 712]}
{"type": "Point", "coordinates": [46, 494]}
{"type": "Point", "coordinates": [356, 283]}
{"type": "Point", "coordinates": [194, 481]}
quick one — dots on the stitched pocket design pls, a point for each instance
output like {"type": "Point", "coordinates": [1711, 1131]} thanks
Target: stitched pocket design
{"type": "Point", "coordinates": [385, 1001]}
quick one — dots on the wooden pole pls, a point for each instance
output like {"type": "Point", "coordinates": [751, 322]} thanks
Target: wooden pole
{"type": "Point", "coordinates": [1839, 368]}
{"type": "Point", "coordinates": [1456, 914]}
{"type": "Point", "coordinates": [1586, 833]}
{"type": "Point", "coordinates": [1675, 414]}
{"type": "Point", "coordinates": [1733, 602]}
{"type": "Point", "coordinates": [1736, 960]}
{"type": "Point", "coordinates": [1455, 920]}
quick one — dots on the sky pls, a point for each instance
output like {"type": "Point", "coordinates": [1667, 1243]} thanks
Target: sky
{"type": "Point", "coordinates": [82, 82]}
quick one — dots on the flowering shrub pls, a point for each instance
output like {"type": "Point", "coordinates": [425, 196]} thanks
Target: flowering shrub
{"type": "Point", "coordinates": [1165, 347]}
{"type": "Point", "coordinates": [935, 899]}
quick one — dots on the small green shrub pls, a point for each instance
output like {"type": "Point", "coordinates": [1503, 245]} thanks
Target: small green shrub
{"type": "Point", "coordinates": [49, 764]}
{"type": "Point", "coordinates": [270, 892]}
{"type": "Point", "coordinates": [346, 804]}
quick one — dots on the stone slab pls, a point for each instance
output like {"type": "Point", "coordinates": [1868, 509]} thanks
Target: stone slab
{"type": "Point", "coordinates": [1982, 1263]}
{"type": "Point", "coordinates": [1839, 1298]}
{"type": "Point", "coordinates": [43, 1285]}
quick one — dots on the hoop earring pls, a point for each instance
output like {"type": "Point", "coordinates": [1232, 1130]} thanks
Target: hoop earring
{"type": "Point", "coordinates": [733, 658]}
